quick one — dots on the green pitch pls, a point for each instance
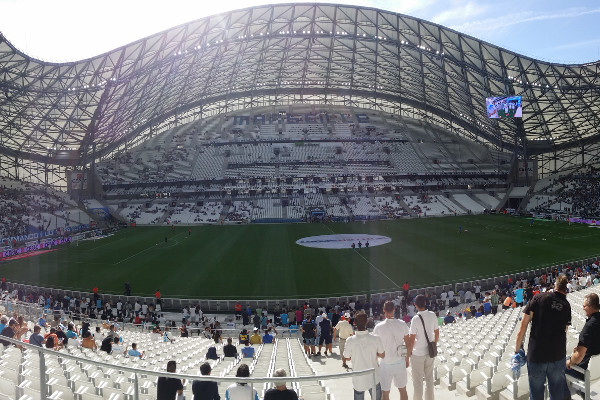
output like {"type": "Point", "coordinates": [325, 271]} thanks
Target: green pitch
{"type": "Point", "coordinates": [263, 261]}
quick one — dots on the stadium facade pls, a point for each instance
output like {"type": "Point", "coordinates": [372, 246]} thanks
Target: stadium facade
{"type": "Point", "coordinates": [59, 117]}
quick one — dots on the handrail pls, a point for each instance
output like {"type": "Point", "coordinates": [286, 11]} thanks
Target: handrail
{"type": "Point", "coordinates": [136, 371]}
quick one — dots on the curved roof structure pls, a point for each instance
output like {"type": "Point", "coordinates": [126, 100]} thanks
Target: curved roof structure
{"type": "Point", "coordinates": [276, 54]}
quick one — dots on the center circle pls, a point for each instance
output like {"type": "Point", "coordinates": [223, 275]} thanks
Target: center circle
{"type": "Point", "coordinates": [343, 241]}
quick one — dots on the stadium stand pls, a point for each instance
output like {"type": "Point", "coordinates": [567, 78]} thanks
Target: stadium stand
{"type": "Point", "coordinates": [473, 359]}
{"type": "Point", "coordinates": [209, 150]}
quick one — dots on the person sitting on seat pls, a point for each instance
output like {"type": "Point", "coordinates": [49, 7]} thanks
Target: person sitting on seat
{"type": "Point", "coordinates": [133, 352]}
{"type": "Point", "coordinates": [589, 338]}
{"type": "Point", "coordinates": [248, 351]}
{"type": "Point", "coordinates": [255, 338]}
{"type": "Point", "coordinates": [280, 391]}
{"type": "Point", "coordinates": [229, 350]}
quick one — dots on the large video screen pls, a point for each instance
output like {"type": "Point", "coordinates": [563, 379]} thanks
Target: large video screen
{"type": "Point", "coordinates": [504, 107]}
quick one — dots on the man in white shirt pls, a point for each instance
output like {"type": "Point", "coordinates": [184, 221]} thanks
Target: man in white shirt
{"type": "Point", "coordinates": [477, 291]}
{"type": "Point", "coordinates": [363, 349]}
{"type": "Point", "coordinates": [393, 333]}
{"type": "Point", "coordinates": [468, 296]}
{"type": "Point", "coordinates": [418, 350]}
{"type": "Point", "coordinates": [345, 331]}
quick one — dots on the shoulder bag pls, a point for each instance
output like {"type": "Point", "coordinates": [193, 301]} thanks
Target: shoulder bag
{"type": "Point", "coordinates": [432, 346]}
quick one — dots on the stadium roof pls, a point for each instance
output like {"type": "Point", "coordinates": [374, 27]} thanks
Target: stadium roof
{"type": "Point", "coordinates": [281, 54]}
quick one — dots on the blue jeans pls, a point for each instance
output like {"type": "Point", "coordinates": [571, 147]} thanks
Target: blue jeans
{"type": "Point", "coordinates": [554, 372]}
{"type": "Point", "coordinates": [361, 395]}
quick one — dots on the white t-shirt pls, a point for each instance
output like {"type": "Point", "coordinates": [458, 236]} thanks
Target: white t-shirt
{"type": "Point", "coordinates": [240, 392]}
{"type": "Point", "coordinates": [362, 348]}
{"type": "Point", "coordinates": [345, 329]}
{"type": "Point", "coordinates": [392, 332]}
{"type": "Point", "coordinates": [416, 328]}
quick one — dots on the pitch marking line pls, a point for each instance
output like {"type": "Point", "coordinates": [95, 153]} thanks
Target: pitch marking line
{"type": "Point", "coordinates": [369, 262]}
{"type": "Point", "coordinates": [376, 269]}
{"type": "Point", "coordinates": [149, 248]}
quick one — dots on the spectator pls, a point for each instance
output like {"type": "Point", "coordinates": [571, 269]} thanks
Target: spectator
{"type": "Point", "coordinates": [241, 390]}
{"type": "Point", "coordinates": [449, 318]}
{"type": "Point", "coordinates": [169, 388]}
{"type": "Point", "coordinates": [133, 352]}
{"type": "Point", "coordinates": [550, 316]}
{"type": "Point", "coordinates": [393, 333]}
{"type": "Point", "coordinates": [229, 350]}
{"type": "Point", "coordinates": [205, 390]}
{"type": "Point", "coordinates": [423, 329]}
{"type": "Point", "coordinates": [345, 331]}
{"type": "Point", "coordinates": [42, 321]}
{"type": "Point", "coordinates": [280, 391]}
{"type": "Point", "coordinates": [244, 337]}
{"type": "Point", "coordinates": [35, 338]}
{"type": "Point", "coordinates": [117, 347]}
{"type": "Point", "coordinates": [363, 349]}
{"type": "Point", "coordinates": [267, 337]}
{"type": "Point", "coordinates": [325, 336]}
{"type": "Point", "coordinates": [8, 332]}
{"type": "Point", "coordinates": [255, 338]}
{"type": "Point", "coordinates": [247, 350]}
{"type": "Point", "coordinates": [309, 334]}
{"type": "Point", "coordinates": [88, 341]}
{"type": "Point", "coordinates": [589, 338]}
{"type": "Point", "coordinates": [52, 341]}
{"type": "Point", "coordinates": [107, 344]}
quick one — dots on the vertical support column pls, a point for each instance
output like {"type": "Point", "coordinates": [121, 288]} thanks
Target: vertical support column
{"type": "Point", "coordinates": [136, 387]}
{"type": "Point", "coordinates": [43, 387]}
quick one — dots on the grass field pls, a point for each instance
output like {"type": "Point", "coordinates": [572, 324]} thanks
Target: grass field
{"type": "Point", "coordinates": [263, 261]}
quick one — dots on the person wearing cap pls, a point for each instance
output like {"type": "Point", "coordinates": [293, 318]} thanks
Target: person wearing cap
{"type": "Point", "coordinates": [325, 336]}
{"type": "Point", "coordinates": [255, 338]}
{"type": "Point", "coordinates": [62, 335]}
{"type": "Point", "coordinates": [345, 331]}
{"type": "Point", "coordinates": [363, 349]}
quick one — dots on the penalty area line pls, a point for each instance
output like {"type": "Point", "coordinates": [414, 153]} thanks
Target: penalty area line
{"type": "Point", "coordinates": [376, 269]}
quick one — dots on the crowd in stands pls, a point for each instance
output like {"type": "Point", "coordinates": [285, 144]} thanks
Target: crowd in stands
{"type": "Point", "coordinates": [582, 191]}
{"type": "Point", "coordinates": [69, 322]}
{"type": "Point", "coordinates": [26, 208]}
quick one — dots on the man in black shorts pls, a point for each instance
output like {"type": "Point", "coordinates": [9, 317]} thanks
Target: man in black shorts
{"type": "Point", "coordinates": [309, 334]}
{"type": "Point", "coordinates": [325, 337]}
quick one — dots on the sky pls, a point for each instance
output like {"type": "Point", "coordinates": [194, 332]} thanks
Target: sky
{"type": "Point", "coordinates": [565, 32]}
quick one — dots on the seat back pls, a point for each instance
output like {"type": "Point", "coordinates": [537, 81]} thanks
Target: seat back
{"type": "Point", "coordinates": [594, 367]}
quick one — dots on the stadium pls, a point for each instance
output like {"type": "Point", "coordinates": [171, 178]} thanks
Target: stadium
{"type": "Point", "coordinates": [289, 154]}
